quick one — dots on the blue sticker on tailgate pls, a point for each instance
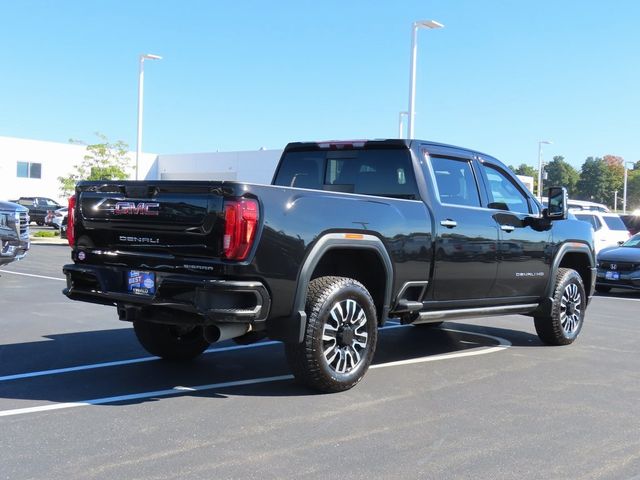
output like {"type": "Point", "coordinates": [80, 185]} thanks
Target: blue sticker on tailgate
{"type": "Point", "coordinates": [141, 283]}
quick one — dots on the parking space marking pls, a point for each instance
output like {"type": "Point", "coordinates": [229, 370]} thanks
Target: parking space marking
{"type": "Point", "coordinates": [177, 390]}
{"type": "Point", "coordinates": [32, 275]}
{"type": "Point", "coordinates": [620, 298]}
{"type": "Point", "coordinates": [131, 361]}
{"type": "Point", "coordinates": [140, 396]}
{"type": "Point", "coordinates": [117, 363]}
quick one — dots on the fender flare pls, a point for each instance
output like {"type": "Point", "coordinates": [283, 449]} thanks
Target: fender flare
{"type": "Point", "coordinates": [297, 323]}
{"type": "Point", "coordinates": [568, 247]}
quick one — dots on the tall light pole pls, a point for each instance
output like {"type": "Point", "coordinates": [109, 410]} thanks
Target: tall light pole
{"type": "Point", "coordinates": [401, 123]}
{"type": "Point", "coordinates": [540, 143]}
{"type": "Point", "coordinates": [432, 24]}
{"type": "Point", "coordinates": [143, 57]}
{"type": "Point", "coordinates": [624, 197]}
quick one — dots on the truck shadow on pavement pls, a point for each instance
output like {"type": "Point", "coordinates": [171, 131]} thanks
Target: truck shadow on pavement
{"type": "Point", "coordinates": [260, 361]}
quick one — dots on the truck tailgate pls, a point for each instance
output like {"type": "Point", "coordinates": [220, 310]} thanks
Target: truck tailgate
{"type": "Point", "coordinates": [180, 219]}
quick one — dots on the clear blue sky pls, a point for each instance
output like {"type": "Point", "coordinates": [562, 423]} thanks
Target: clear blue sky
{"type": "Point", "coordinates": [242, 75]}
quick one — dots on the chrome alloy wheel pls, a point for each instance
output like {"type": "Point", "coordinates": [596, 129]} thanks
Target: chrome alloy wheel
{"type": "Point", "coordinates": [344, 336]}
{"type": "Point", "coordinates": [571, 309]}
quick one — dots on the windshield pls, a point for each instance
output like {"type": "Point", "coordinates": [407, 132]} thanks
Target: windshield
{"type": "Point", "coordinates": [633, 241]}
{"type": "Point", "coordinates": [615, 223]}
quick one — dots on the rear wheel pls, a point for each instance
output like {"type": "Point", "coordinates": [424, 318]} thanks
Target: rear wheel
{"type": "Point", "coordinates": [567, 314]}
{"type": "Point", "coordinates": [602, 289]}
{"type": "Point", "coordinates": [171, 342]}
{"type": "Point", "coordinates": [340, 337]}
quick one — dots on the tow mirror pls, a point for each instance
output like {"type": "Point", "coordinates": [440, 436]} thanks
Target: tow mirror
{"type": "Point", "coordinates": [557, 209]}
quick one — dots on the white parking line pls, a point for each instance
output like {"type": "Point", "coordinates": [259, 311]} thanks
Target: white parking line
{"type": "Point", "coordinates": [177, 390]}
{"type": "Point", "coordinates": [619, 298]}
{"type": "Point", "coordinates": [132, 361]}
{"type": "Point", "coordinates": [32, 275]}
{"type": "Point", "coordinates": [116, 363]}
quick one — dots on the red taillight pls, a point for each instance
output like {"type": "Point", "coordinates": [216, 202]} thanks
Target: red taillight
{"type": "Point", "coordinates": [71, 238]}
{"type": "Point", "coordinates": [240, 225]}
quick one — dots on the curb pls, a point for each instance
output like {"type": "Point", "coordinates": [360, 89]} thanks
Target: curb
{"type": "Point", "coordinates": [48, 241]}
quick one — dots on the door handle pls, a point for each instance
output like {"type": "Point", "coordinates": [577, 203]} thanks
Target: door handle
{"type": "Point", "coordinates": [449, 223]}
{"type": "Point", "coordinates": [507, 228]}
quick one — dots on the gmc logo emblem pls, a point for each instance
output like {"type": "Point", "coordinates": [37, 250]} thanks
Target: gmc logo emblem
{"type": "Point", "coordinates": [149, 209]}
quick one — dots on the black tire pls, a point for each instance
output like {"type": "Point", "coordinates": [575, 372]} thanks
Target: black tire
{"type": "Point", "coordinates": [563, 326]}
{"type": "Point", "coordinates": [350, 334]}
{"type": "Point", "coordinates": [171, 342]}
{"type": "Point", "coordinates": [602, 289]}
{"type": "Point", "coordinates": [40, 223]}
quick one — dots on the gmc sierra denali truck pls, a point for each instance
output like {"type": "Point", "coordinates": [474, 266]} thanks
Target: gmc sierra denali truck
{"type": "Point", "coordinates": [14, 232]}
{"type": "Point", "coordinates": [348, 235]}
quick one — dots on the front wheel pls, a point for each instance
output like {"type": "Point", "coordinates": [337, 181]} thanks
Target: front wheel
{"type": "Point", "coordinates": [171, 342]}
{"type": "Point", "coordinates": [567, 313]}
{"type": "Point", "coordinates": [340, 337]}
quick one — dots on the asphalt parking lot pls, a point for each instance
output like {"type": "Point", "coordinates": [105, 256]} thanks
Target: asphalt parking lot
{"type": "Point", "coordinates": [80, 399]}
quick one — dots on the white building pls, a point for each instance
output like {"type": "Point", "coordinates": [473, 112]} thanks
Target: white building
{"type": "Point", "coordinates": [250, 166]}
{"type": "Point", "coordinates": [30, 168]}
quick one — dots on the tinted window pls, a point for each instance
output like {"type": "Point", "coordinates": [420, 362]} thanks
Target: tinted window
{"type": "Point", "coordinates": [614, 223]}
{"type": "Point", "coordinates": [385, 173]}
{"type": "Point", "coordinates": [23, 170]}
{"type": "Point", "coordinates": [592, 219]}
{"type": "Point", "coordinates": [503, 192]}
{"type": "Point", "coordinates": [29, 170]}
{"type": "Point", "coordinates": [455, 181]}
{"type": "Point", "coordinates": [35, 170]}
{"type": "Point", "coordinates": [632, 242]}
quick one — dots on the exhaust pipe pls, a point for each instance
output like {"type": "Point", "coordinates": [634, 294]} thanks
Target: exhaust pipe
{"type": "Point", "coordinates": [225, 331]}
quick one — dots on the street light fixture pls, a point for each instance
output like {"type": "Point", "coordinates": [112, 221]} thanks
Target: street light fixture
{"type": "Point", "coordinates": [624, 199]}
{"type": "Point", "coordinates": [143, 57]}
{"type": "Point", "coordinates": [540, 143]}
{"type": "Point", "coordinates": [431, 24]}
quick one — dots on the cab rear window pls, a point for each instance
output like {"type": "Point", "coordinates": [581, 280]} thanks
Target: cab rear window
{"type": "Point", "coordinates": [383, 173]}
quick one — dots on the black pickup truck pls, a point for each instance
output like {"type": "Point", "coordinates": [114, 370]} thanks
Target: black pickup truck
{"type": "Point", "coordinates": [39, 208]}
{"type": "Point", "coordinates": [348, 235]}
{"type": "Point", "coordinates": [14, 232]}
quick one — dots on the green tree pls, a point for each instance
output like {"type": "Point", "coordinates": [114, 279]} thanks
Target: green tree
{"type": "Point", "coordinates": [593, 182]}
{"type": "Point", "coordinates": [103, 161]}
{"type": "Point", "coordinates": [562, 174]}
{"type": "Point", "coordinates": [614, 178]}
{"type": "Point", "coordinates": [633, 189]}
{"type": "Point", "coordinates": [527, 170]}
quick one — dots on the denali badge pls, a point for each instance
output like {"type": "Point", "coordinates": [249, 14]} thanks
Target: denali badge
{"type": "Point", "coordinates": [124, 238]}
{"type": "Point", "coordinates": [132, 208]}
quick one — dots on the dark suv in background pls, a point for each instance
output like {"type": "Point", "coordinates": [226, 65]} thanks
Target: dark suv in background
{"type": "Point", "coordinates": [14, 232]}
{"type": "Point", "coordinates": [38, 207]}
{"type": "Point", "coordinates": [632, 222]}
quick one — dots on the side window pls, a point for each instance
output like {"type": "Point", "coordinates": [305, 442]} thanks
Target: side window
{"type": "Point", "coordinates": [592, 219]}
{"type": "Point", "coordinates": [503, 192]}
{"type": "Point", "coordinates": [456, 182]}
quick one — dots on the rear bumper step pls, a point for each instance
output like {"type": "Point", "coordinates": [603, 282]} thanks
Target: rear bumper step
{"type": "Point", "coordinates": [213, 300]}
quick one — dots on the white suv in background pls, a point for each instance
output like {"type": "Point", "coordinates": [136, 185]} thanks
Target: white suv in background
{"type": "Point", "coordinates": [608, 227]}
